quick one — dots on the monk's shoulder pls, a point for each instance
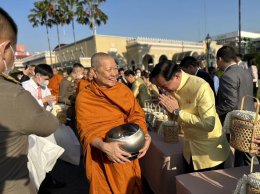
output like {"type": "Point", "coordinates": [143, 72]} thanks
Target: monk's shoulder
{"type": "Point", "coordinates": [83, 82]}
{"type": "Point", "coordinates": [121, 86]}
{"type": "Point", "coordinates": [124, 89]}
{"type": "Point", "coordinates": [84, 90]}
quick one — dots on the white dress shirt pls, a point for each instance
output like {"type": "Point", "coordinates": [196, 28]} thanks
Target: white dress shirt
{"type": "Point", "coordinates": [32, 87]}
{"type": "Point", "coordinates": [254, 73]}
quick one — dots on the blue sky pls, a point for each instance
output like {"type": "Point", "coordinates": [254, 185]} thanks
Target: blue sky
{"type": "Point", "coordinates": [170, 19]}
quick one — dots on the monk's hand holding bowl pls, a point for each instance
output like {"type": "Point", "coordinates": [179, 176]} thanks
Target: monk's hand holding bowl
{"type": "Point", "coordinates": [112, 150]}
{"type": "Point", "coordinates": [169, 102]}
{"type": "Point", "coordinates": [115, 153]}
{"type": "Point", "coordinates": [147, 143]}
{"type": "Point", "coordinates": [257, 141]}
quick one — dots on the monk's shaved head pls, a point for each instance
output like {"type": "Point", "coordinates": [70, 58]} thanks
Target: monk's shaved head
{"type": "Point", "coordinates": [8, 28]}
{"type": "Point", "coordinates": [97, 58]}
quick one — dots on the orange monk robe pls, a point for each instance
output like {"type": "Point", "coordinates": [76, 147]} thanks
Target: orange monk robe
{"type": "Point", "coordinates": [98, 110]}
{"type": "Point", "coordinates": [54, 85]}
{"type": "Point", "coordinates": [81, 85]}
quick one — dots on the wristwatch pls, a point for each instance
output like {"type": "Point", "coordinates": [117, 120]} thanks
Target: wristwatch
{"type": "Point", "coordinates": [176, 112]}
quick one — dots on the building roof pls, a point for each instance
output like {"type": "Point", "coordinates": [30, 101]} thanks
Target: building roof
{"type": "Point", "coordinates": [236, 34]}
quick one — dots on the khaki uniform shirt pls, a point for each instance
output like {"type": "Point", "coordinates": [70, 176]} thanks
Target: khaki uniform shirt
{"type": "Point", "coordinates": [20, 116]}
{"type": "Point", "coordinates": [68, 87]}
{"type": "Point", "coordinates": [140, 91]}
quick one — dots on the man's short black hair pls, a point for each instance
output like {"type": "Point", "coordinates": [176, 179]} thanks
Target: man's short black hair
{"type": "Point", "coordinates": [145, 74]}
{"type": "Point", "coordinates": [129, 72]}
{"type": "Point", "coordinates": [165, 68]}
{"type": "Point", "coordinates": [44, 70]}
{"type": "Point", "coordinates": [227, 53]}
{"type": "Point", "coordinates": [239, 55]}
{"type": "Point", "coordinates": [68, 70]}
{"type": "Point", "coordinates": [121, 69]}
{"type": "Point", "coordinates": [76, 65]}
{"type": "Point", "coordinates": [187, 61]}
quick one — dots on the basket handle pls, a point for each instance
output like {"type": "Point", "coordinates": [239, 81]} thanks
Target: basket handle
{"type": "Point", "coordinates": [252, 164]}
{"type": "Point", "coordinates": [257, 107]}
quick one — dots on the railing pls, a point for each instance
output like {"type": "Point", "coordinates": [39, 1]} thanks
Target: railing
{"type": "Point", "coordinates": [132, 41]}
{"type": "Point", "coordinates": [39, 56]}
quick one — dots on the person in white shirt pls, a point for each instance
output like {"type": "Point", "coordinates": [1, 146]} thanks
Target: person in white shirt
{"type": "Point", "coordinates": [252, 67]}
{"type": "Point", "coordinates": [239, 61]}
{"type": "Point", "coordinates": [37, 85]}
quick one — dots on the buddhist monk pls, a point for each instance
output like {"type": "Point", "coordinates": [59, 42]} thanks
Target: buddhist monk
{"type": "Point", "coordinates": [54, 83]}
{"type": "Point", "coordinates": [102, 105]}
{"type": "Point", "coordinates": [86, 80]}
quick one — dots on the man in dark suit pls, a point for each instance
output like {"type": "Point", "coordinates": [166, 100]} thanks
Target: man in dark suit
{"type": "Point", "coordinates": [233, 86]}
{"type": "Point", "coordinates": [190, 65]}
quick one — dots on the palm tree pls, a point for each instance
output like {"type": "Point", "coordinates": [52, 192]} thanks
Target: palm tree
{"type": "Point", "coordinates": [58, 18]}
{"type": "Point", "coordinates": [69, 7]}
{"type": "Point", "coordinates": [39, 16]}
{"type": "Point", "coordinates": [89, 13]}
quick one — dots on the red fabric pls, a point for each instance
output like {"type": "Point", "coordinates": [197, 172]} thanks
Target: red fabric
{"type": "Point", "coordinates": [39, 92]}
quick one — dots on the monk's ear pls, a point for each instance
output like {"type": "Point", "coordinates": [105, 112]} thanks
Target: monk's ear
{"type": "Point", "coordinates": [94, 73]}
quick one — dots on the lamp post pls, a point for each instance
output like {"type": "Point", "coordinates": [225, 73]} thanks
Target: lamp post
{"type": "Point", "coordinates": [208, 40]}
{"type": "Point", "coordinates": [239, 26]}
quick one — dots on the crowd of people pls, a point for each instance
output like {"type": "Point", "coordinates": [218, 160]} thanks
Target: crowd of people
{"type": "Point", "coordinates": [101, 97]}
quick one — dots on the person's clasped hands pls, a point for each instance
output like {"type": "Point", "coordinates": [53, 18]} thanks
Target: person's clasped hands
{"type": "Point", "coordinates": [169, 102]}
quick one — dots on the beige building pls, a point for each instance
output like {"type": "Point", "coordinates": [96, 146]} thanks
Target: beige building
{"type": "Point", "coordinates": [38, 58]}
{"type": "Point", "coordinates": [128, 52]}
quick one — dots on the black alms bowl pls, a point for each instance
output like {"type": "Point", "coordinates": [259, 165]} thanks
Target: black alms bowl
{"type": "Point", "coordinates": [129, 133]}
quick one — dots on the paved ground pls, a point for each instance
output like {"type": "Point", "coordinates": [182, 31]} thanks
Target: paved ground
{"type": "Point", "coordinates": [74, 177]}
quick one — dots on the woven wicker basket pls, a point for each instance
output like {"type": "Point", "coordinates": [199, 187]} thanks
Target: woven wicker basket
{"type": "Point", "coordinates": [243, 132]}
{"type": "Point", "coordinates": [249, 188]}
{"type": "Point", "coordinates": [171, 133]}
{"type": "Point", "coordinates": [252, 190]}
{"type": "Point", "coordinates": [157, 124]}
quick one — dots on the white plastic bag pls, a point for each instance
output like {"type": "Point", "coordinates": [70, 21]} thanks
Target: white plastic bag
{"type": "Point", "coordinates": [66, 138]}
{"type": "Point", "coordinates": [42, 156]}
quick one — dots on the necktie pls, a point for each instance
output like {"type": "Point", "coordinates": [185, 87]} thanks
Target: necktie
{"type": "Point", "coordinates": [39, 93]}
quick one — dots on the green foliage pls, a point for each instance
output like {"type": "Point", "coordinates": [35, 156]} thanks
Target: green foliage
{"type": "Point", "coordinates": [60, 12]}
{"type": "Point", "coordinates": [15, 70]}
{"type": "Point", "coordinates": [40, 14]}
{"type": "Point", "coordinates": [89, 13]}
